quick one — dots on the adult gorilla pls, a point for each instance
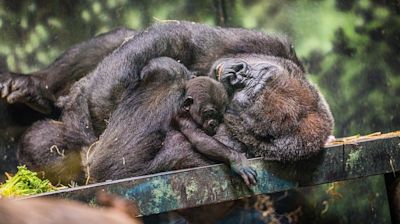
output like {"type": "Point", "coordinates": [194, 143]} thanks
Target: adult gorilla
{"type": "Point", "coordinates": [274, 111]}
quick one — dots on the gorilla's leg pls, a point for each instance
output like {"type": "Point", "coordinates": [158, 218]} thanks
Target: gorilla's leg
{"type": "Point", "coordinates": [46, 147]}
{"type": "Point", "coordinates": [55, 146]}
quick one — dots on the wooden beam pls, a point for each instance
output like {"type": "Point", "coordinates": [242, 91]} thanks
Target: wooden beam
{"type": "Point", "coordinates": [212, 184]}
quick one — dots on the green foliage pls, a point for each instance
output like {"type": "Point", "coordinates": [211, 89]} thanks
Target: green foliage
{"type": "Point", "coordinates": [365, 60]}
{"type": "Point", "coordinates": [25, 183]}
{"type": "Point", "coordinates": [354, 201]}
{"type": "Point", "coordinates": [349, 47]}
{"type": "Point", "coordinates": [34, 32]}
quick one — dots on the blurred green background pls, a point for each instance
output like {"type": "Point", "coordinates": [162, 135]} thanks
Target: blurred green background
{"type": "Point", "coordinates": [351, 50]}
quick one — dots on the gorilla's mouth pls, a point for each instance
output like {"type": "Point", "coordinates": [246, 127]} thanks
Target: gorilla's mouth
{"type": "Point", "coordinates": [219, 69]}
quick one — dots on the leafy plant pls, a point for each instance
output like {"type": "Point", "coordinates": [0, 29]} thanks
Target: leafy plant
{"type": "Point", "coordinates": [25, 183]}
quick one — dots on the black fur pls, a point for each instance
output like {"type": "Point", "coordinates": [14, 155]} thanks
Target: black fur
{"type": "Point", "coordinates": [158, 101]}
{"type": "Point", "coordinates": [273, 111]}
{"type": "Point", "coordinates": [146, 113]}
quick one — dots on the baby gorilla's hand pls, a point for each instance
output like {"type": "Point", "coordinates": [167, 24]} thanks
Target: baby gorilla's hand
{"type": "Point", "coordinates": [16, 88]}
{"type": "Point", "coordinates": [184, 122]}
{"type": "Point", "coordinates": [241, 166]}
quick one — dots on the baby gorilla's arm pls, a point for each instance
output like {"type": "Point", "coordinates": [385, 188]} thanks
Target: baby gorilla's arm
{"type": "Point", "coordinates": [215, 150]}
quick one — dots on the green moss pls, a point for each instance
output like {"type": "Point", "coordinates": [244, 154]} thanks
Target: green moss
{"type": "Point", "coordinates": [25, 183]}
{"type": "Point", "coordinates": [353, 160]}
{"type": "Point", "coordinates": [191, 189]}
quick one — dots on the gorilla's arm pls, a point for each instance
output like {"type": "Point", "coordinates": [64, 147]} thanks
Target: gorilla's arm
{"type": "Point", "coordinates": [215, 150]}
{"type": "Point", "coordinates": [40, 89]}
{"type": "Point", "coordinates": [82, 58]}
{"type": "Point", "coordinates": [196, 46]}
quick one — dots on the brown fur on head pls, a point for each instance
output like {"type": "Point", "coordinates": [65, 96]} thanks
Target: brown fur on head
{"type": "Point", "coordinates": [294, 106]}
{"type": "Point", "coordinates": [209, 102]}
{"type": "Point", "coordinates": [275, 111]}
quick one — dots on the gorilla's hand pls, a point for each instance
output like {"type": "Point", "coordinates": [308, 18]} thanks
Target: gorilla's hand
{"type": "Point", "coordinates": [27, 89]}
{"type": "Point", "coordinates": [215, 150]}
{"type": "Point", "coordinates": [241, 166]}
{"type": "Point", "coordinates": [183, 121]}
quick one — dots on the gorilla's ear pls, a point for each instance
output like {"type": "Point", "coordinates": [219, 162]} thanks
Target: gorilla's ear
{"type": "Point", "coordinates": [187, 103]}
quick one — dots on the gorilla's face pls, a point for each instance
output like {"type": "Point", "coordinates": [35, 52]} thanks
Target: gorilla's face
{"type": "Point", "coordinates": [246, 76]}
{"type": "Point", "coordinates": [209, 100]}
{"type": "Point", "coordinates": [206, 114]}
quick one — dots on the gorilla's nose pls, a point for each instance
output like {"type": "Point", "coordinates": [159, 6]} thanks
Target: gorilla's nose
{"type": "Point", "coordinates": [211, 127]}
{"type": "Point", "coordinates": [232, 73]}
{"type": "Point", "coordinates": [212, 124]}
{"type": "Point", "coordinates": [239, 68]}
{"type": "Point", "coordinates": [230, 78]}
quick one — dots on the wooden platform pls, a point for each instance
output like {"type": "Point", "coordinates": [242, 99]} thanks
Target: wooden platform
{"type": "Point", "coordinates": [344, 159]}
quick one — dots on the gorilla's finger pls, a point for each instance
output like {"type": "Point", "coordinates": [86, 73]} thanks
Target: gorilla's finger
{"type": "Point", "coordinates": [252, 179]}
{"type": "Point", "coordinates": [5, 89]}
{"type": "Point", "coordinates": [245, 178]}
{"type": "Point", "coordinates": [15, 96]}
{"type": "Point", "coordinates": [17, 85]}
{"type": "Point", "coordinates": [253, 171]}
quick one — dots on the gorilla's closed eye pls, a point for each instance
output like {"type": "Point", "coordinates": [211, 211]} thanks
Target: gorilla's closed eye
{"type": "Point", "coordinates": [268, 68]}
{"type": "Point", "coordinates": [268, 73]}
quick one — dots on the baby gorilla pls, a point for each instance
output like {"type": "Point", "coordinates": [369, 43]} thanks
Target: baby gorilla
{"type": "Point", "coordinates": [166, 98]}
{"type": "Point", "coordinates": [148, 141]}
{"type": "Point", "coordinates": [206, 101]}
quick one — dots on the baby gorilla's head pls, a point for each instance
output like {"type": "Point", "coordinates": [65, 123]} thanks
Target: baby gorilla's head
{"type": "Point", "coordinates": [209, 100]}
